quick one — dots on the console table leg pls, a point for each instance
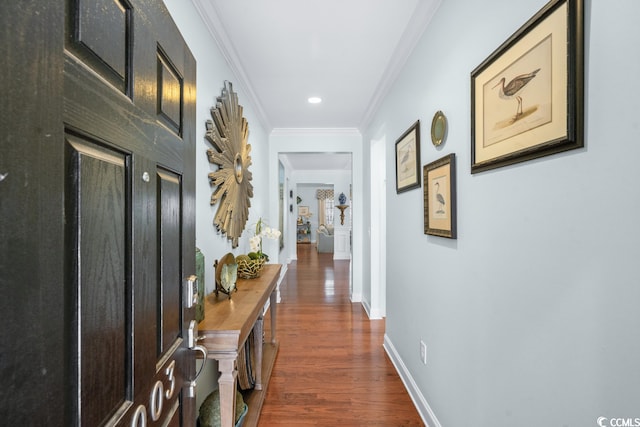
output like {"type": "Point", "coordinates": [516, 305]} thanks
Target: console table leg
{"type": "Point", "coordinates": [273, 298]}
{"type": "Point", "coordinates": [227, 387]}
{"type": "Point", "coordinates": [257, 344]}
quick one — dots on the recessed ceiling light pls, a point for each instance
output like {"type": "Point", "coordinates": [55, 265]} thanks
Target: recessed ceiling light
{"type": "Point", "coordinates": [314, 100]}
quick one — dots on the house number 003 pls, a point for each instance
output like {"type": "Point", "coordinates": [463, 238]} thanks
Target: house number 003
{"type": "Point", "coordinates": [156, 399]}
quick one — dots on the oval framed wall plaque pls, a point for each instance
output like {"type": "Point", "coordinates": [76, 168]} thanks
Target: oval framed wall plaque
{"type": "Point", "coordinates": [438, 128]}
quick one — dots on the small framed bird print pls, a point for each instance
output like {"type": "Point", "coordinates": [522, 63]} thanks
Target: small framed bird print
{"type": "Point", "coordinates": [527, 96]}
{"type": "Point", "coordinates": [440, 215]}
{"type": "Point", "coordinates": [408, 159]}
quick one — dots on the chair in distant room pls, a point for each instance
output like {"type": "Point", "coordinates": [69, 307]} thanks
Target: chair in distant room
{"type": "Point", "coordinates": [324, 239]}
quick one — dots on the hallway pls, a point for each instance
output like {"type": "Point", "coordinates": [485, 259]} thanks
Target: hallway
{"type": "Point", "coordinates": [331, 369]}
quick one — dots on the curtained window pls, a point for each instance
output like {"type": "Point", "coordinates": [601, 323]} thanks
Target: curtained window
{"type": "Point", "coordinates": [325, 206]}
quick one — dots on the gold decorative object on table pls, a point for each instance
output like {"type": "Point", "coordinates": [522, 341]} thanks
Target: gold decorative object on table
{"type": "Point", "coordinates": [250, 268]}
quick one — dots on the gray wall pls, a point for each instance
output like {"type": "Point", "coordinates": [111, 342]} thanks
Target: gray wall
{"type": "Point", "coordinates": [531, 316]}
{"type": "Point", "coordinates": [212, 71]}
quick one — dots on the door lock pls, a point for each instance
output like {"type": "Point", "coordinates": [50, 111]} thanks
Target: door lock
{"type": "Point", "coordinates": [191, 291]}
{"type": "Point", "coordinates": [192, 338]}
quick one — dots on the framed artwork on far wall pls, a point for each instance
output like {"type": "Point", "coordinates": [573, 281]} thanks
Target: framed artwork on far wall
{"type": "Point", "coordinates": [408, 159]}
{"type": "Point", "coordinates": [527, 96]}
{"type": "Point", "coordinates": [440, 214]}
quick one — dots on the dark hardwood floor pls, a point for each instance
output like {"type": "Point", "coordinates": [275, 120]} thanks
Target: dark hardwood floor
{"type": "Point", "coordinates": [331, 369]}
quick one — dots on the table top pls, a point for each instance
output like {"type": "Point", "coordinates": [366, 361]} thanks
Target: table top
{"type": "Point", "coordinates": [228, 322]}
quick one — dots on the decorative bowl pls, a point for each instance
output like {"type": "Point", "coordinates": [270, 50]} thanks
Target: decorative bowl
{"type": "Point", "coordinates": [250, 268]}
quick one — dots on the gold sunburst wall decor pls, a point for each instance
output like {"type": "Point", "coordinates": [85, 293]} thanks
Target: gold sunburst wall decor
{"type": "Point", "coordinates": [228, 132]}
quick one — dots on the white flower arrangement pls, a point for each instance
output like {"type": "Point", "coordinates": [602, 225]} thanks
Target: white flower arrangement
{"type": "Point", "coordinates": [262, 230]}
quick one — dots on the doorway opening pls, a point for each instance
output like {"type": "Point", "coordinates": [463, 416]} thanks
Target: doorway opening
{"type": "Point", "coordinates": [309, 174]}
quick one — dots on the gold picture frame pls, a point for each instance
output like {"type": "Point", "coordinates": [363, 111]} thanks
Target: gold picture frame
{"type": "Point", "coordinates": [527, 96]}
{"type": "Point", "coordinates": [440, 210]}
{"type": "Point", "coordinates": [408, 159]}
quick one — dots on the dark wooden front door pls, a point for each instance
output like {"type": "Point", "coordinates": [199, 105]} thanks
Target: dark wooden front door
{"type": "Point", "coordinates": [97, 214]}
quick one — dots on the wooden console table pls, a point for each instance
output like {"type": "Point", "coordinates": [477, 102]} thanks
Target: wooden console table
{"type": "Point", "coordinates": [227, 324]}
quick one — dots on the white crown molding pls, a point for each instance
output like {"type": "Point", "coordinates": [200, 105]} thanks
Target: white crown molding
{"type": "Point", "coordinates": [214, 24]}
{"type": "Point", "coordinates": [285, 161]}
{"type": "Point", "coordinates": [419, 21]}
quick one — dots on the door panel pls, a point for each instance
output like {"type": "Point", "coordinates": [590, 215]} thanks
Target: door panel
{"type": "Point", "coordinates": [170, 90]}
{"type": "Point", "coordinates": [155, 241]}
{"type": "Point", "coordinates": [100, 33]}
{"type": "Point", "coordinates": [170, 216]}
{"type": "Point", "coordinates": [100, 158]}
{"type": "Point", "coordinates": [97, 200]}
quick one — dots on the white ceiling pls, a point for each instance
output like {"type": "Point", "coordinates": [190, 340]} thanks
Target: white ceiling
{"type": "Point", "coordinates": [348, 52]}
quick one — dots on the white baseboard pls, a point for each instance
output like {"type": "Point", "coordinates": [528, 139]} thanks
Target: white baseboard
{"type": "Point", "coordinates": [376, 314]}
{"type": "Point", "coordinates": [371, 314]}
{"type": "Point", "coordinates": [427, 415]}
{"type": "Point", "coordinates": [367, 308]}
{"type": "Point", "coordinates": [283, 272]}
{"type": "Point", "coordinates": [356, 297]}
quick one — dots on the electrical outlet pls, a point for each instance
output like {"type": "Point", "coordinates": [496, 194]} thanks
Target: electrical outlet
{"type": "Point", "coordinates": [423, 352]}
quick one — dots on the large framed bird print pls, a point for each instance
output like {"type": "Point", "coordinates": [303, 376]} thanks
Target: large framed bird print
{"type": "Point", "coordinates": [527, 96]}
